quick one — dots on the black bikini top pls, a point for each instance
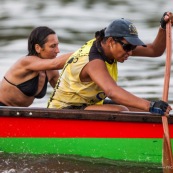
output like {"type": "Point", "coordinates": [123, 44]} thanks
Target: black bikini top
{"type": "Point", "coordinates": [30, 87]}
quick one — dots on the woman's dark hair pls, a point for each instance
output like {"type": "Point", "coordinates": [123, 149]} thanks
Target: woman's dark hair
{"type": "Point", "coordinates": [38, 36]}
{"type": "Point", "coordinates": [100, 35]}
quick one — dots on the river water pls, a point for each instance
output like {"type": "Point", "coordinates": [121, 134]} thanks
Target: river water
{"type": "Point", "coordinates": [75, 22]}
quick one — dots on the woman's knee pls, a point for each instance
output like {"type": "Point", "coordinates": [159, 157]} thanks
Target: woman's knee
{"type": "Point", "coordinates": [107, 107]}
{"type": "Point", "coordinates": [122, 108]}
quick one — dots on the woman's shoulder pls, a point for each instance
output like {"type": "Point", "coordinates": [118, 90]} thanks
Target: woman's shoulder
{"type": "Point", "coordinates": [28, 59]}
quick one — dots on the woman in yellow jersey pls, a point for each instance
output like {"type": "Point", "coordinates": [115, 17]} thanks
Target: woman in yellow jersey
{"type": "Point", "coordinates": [90, 74]}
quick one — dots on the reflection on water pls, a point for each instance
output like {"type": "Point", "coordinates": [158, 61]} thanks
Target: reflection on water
{"type": "Point", "coordinates": [75, 22]}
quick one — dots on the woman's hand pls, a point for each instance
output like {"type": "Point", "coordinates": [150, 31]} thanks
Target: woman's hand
{"type": "Point", "coordinates": [165, 18]}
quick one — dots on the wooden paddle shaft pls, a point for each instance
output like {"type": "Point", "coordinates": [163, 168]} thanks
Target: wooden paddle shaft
{"type": "Point", "coordinates": [167, 160]}
{"type": "Point", "coordinates": [168, 62]}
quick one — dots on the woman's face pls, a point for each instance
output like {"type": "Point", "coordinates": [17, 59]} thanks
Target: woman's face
{"type": "Point", "coordinates": [118, 50]}
{"type": "Point", "coordinates": [50, 48]}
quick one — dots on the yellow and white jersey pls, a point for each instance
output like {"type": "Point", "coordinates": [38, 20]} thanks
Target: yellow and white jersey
{"type": "Point", "coordinates": [69, 89]}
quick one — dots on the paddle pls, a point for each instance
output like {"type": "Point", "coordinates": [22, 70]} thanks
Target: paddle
{"type": "Point", "coordinates": [167, 160]}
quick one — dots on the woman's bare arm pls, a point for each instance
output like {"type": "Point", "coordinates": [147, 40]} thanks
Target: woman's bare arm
{"type": "Point", "coordinates": [35, 63]}
{"type": "Point", "coordinates": [157, 47]}
{"type": "Point", "coordinates": [154, 49]}
{"type": "Point", "coordinates": [98, 73]}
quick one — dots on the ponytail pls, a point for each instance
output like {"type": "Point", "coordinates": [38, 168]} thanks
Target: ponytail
{"type": "Point", "coordinates": [100, 35]}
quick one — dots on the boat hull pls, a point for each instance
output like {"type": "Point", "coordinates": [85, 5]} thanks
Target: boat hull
{"type": "Point", "coordinates": [120, 149]}
{"type": "Point", "coordinates": [136, 137]}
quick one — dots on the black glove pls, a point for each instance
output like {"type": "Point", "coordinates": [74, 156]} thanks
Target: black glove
{"type": "Point", "coordinates": [162, 21]}
{"type": "Point", "coordinates": [158, 107]}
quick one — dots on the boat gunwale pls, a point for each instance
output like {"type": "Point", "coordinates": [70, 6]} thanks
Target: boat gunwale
{"type": "Point", "coordinates": [50, 113]}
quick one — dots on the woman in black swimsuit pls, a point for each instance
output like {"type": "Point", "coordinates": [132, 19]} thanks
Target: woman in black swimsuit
{"type": "Point", "coordinates": [27, 79]}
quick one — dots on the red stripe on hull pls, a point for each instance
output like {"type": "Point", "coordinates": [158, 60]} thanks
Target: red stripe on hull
{"type": "Point", "coordinates": [42, 127]}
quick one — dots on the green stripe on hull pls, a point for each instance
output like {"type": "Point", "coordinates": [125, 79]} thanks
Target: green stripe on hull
{"type": "Point", "coordinates": [137, 150]}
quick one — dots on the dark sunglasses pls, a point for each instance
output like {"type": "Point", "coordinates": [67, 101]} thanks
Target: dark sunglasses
{"type": "Point", "coordinates": [126, 47]}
